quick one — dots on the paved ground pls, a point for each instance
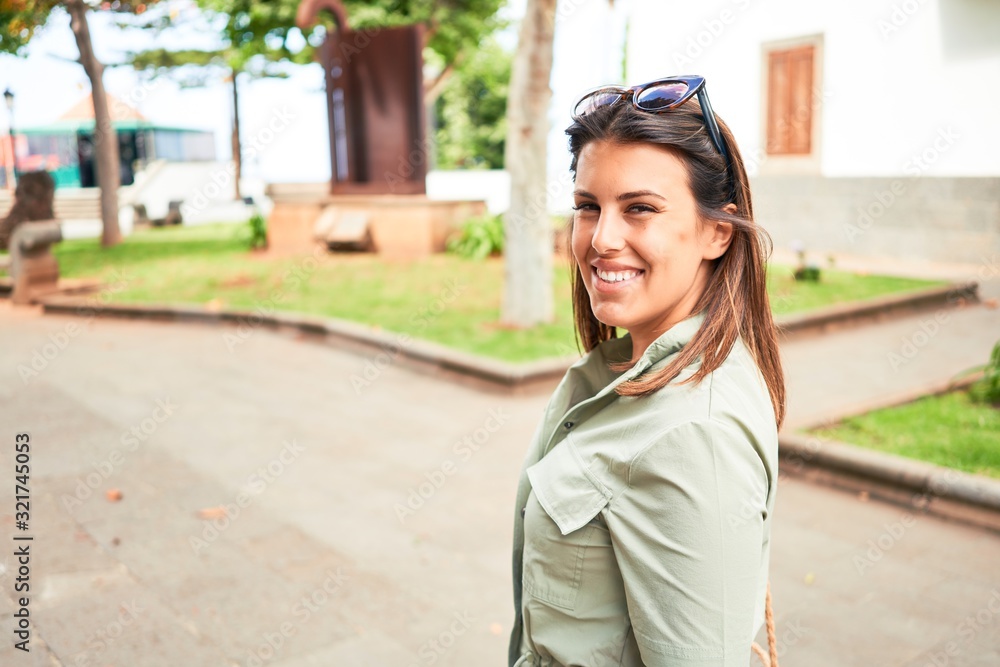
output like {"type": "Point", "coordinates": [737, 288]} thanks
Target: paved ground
{"type": "Point", "coordinates": [370, 523]}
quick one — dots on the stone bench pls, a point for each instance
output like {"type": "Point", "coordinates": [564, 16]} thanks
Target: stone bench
{"type": "Point", "coordinates": [31, 265]}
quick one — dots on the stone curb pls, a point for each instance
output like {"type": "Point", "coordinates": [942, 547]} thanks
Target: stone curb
{"type": "Point", "coordinates": [425, 355]}
{"type": "Point", "coordinates": [920, 486]}
{"type": "Point", "coordinates": [880, 308]}
{"type": "Point", "coordinates": [482, 371]}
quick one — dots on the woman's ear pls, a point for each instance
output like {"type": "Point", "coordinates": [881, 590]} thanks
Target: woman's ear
{"type": "Point", "coordinates": [718, 235]}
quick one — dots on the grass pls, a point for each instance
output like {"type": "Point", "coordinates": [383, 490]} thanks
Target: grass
{"type": "Point", "coordinates": [442, 298]}
{"type": "Point", "coordinates": [790, 296]}
{"type": "Point", "coordinates": [947, 430]}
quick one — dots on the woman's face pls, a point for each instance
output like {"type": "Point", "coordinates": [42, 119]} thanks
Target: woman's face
{"type": "Point", "coordinates": [637, 239]}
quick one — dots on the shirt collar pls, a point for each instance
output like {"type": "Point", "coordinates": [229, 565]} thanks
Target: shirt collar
{"type": "Point", "coordinates": [620, 349]}
{"type": "Point", "coordinates": [670, 341]}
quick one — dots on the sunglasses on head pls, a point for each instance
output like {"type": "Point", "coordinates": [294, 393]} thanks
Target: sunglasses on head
{"type": "Point", "coordinates": [656, 97]}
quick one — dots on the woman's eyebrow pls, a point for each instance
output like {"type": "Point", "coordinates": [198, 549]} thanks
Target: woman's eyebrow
{"type": "Point", "coordinates": [639, 193]}
{"type": "Point", "coordinates": [623, 196]}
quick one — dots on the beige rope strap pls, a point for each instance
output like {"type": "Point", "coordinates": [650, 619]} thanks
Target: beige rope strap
{"type": "Point", "coordinates": [772, 643]}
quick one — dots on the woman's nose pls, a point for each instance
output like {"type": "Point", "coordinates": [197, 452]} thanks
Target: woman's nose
{"type": "Point", "coordinates": [608, 234]}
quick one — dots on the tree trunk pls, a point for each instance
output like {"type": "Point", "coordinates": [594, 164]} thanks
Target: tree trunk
{"type": "Point", "coordinates": [105, 137]}
{"type": "Point", "coordinates": [528, 248]}
{"type": "Point", "coordinates": [237, 147]}
{"type": "Point", "coordinates": [434, 88]}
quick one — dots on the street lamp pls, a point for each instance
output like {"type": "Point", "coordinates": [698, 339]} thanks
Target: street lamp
{"type": "Point", "coordinates": [8, 97]}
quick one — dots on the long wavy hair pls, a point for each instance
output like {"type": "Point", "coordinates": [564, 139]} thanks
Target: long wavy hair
{"type": "Point", "coordinates": [735, 300]}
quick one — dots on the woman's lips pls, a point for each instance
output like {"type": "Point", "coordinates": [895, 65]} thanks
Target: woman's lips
{"type": "Point", "coordinates": [607, 287]}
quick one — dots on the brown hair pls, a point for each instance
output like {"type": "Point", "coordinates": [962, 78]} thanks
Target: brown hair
{"type": "Point", "coordinates": [735, 301]}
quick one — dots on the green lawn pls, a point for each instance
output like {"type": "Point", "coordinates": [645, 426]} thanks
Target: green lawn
{"type": "Point", "coordinates": [947, 430]}
{"type": "Point", "coordinates": [442, 298]}
{"type": "Point", "coordinates": [790, 296]}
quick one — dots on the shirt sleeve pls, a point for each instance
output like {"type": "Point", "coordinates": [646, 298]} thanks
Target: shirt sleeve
{"type": "Point", "coordinates": [687, 533]}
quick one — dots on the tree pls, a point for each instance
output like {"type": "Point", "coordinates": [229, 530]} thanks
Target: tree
{"type": "Point", "coordinates": [105, 137]}
{"type": "Point", "coordinates": [255, 44]}
{"type": "Point", "coordinates": [472, 111]}
{"type": "Point", "coordinates": [19, 19]}
{"type": "Point", "coordinates": [528, 290]}
{"type": "Point", "coordinates": [256, 40]}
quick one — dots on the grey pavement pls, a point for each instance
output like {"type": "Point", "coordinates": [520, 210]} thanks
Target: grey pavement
{"type": "Point", "coordinates": [370, 523]}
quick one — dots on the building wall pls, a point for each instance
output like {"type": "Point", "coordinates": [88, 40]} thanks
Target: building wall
{"type": "Point", "coordinates": [895, 75]}
{"type": "Point", "coordinates": [948, 219]}
{"type": "Point", "coordinates": [183, 145]}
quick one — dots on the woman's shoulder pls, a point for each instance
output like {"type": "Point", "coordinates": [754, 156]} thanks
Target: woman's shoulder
{"type": "Point", "coordinates": [734, 390]}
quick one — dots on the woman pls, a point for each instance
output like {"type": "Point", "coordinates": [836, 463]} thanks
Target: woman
{"type": "Point", "coordinates": [644, 508]}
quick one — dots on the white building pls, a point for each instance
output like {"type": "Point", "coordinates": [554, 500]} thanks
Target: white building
{"type": "Point", "coordinates": [868, 127]}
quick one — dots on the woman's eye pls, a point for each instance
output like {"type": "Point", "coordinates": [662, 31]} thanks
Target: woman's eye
{"type": "Point", "coordinates": [641, 208]}
{"type": "Point", "coordinates": [585, 206]}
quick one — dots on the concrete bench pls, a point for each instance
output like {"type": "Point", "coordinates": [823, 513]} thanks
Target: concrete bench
{"type": "Point", "coordinates": [31, 264]}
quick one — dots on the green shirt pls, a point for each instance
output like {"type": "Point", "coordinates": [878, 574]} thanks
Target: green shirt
{"type": "Point", "coordinates": [642, 524]}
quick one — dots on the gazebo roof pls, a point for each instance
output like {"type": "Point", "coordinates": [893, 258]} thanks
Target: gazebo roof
{"type": "Point", "coordinates": [120, 111]}
{"type": "Point", "coordinates": [80, 117]}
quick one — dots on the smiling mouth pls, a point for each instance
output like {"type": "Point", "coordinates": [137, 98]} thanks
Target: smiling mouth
{"type": "Point", "coordinates": [616, 277]}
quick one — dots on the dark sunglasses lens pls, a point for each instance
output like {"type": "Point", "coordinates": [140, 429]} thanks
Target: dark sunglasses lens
{"type": "Point", "coordinates": [595, 101]}
{"type": "Point", "coordinates": [661, 96]}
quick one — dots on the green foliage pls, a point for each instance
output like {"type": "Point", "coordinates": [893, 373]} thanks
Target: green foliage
{"type": "Point", "coordinates": [257, 33]}
{"type": "Point", "coordinates": [805, 272]}
{"type": "Point", "coordinates": [453, 27]}
{"type": "Point", "coordinates": [252, 234]}
{"type": "Point", "coordinates": [258, 231]}
{"type": "Point", "coordinates": [809, 273]}
{"type": "Point", "coordinates": [253, 28]}
{"type": "Point", "coordinates": [472, 111]}
{"type": "Point", "coordinates": [19, 19]}
{"type": "Point", "coordinates": [255, 39]}
{"type": "Point", "coordinates": [479, 238]}
{"type": "Point", "coordinates": [987, 389]}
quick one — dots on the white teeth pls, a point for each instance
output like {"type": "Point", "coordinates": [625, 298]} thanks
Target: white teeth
{"type": "Point", "coordinates": [616, 276]}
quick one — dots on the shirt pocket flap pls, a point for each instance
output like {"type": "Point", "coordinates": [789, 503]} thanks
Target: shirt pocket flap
{"type": "Point", "coordinates": [566, 489]}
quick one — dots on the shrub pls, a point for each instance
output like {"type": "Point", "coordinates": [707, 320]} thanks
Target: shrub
{"type": "Point", "coordinates": [987, 389]}
{"type": "Point", "coordinates": [479, 237]}
{"type": "Point", "coordinates": [257, 236]}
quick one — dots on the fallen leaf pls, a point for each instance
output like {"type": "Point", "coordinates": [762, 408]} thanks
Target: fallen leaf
{"type": "Point", "coordinates": [239, 280]}
{"type": "Point", "coordinates": [863, 496]}
{"type": "Point", "coordinates": [212, 512]}
{"type": "Point", "coordinates": [810, 578]}
{"type": "Point", "coordinates": [114, 495]}
{"type": "Point", "coordinates": [990, 303]}
{"type": "Point", "coordinates": [496, 628]}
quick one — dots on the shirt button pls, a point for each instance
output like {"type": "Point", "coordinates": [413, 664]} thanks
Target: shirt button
{"type": "Point", "coordinates": [522, 511]}
{"type": "Point", "coordinates": [568, 425]}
